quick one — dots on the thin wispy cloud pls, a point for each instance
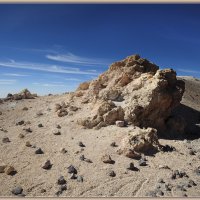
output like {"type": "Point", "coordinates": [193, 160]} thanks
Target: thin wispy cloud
{"type": "Point", "coordinates": [189, 71]}
{"type": "Point", "coordinates": [7, 81]}
{"type": "Point", "coordinates": [15, 75]}
{"type": "Point", "coordinates": [72, 79]}
{"type": "Point", "coordinates": [49, 84]}
{"type": "Point", "coordinates": [74, 59]}
{"type": "Point", "coordinates": [45, 68]}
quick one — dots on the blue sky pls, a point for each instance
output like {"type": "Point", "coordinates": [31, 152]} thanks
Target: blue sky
{"type": "Point", "coordinates": [52, 48]}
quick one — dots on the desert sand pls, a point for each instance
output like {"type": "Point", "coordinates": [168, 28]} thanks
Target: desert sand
{"type": "Point", "coordinates": [35, 123]}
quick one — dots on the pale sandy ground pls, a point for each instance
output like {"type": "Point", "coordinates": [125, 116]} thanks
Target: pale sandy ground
{"type": "Point", "coordinates": [32, 178]}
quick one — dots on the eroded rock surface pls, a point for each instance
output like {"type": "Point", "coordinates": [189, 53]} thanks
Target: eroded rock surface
{"type": "Point", "coordinates": [134, 90]}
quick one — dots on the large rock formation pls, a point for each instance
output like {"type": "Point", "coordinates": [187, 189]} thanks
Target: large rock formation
{"type": "Point", "coordinates": [134, 90]}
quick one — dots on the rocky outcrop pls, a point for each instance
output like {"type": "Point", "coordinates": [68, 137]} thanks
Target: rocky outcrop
{"type": "Point", "coordinates": [24, 94]}
{"type": "Point", "coordinates": [134, 90]}
{"type": "Point", "coordinates": [139, 141]}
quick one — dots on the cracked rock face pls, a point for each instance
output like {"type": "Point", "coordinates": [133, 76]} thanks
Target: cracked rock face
{"type": "Point", "coordinates": [134, 90]}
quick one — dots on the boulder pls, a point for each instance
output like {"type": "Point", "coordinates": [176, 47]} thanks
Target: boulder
{"type": "Point", "coordinates": [139, 141]}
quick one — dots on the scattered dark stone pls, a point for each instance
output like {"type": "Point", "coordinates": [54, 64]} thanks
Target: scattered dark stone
{"type": "Point", "coordinates": [47, 165]}
{"type": "Point", "coordinates": [25, 108]}
{"type": "Point", "coordinates": [82, 157]}
{"type": "Point", "coordinates": [63, 187]}
{"type": "Point", "coordinates": [28, 144]}
{"type": "Point", "coordinates": [40, 125]}
{"type": "Point", "coordinates": [28, 130]}
{"type": "Point", "coordinates": [167, 148]}
{"type": "Point", "coordinates": [72, 169]}
{"type": "Point", "coordinates": [151, 194]}
{"type": "Point", "coordinates": [81, 144]}
{"type": "Point", "coordinates": [79, 178]}
{"type": "Point", "coordinates": [33, 146]}
{"type": "Point", "coordinates": [39, 151]}
{"type": "Point", "coordinates": [168, 187]}
{"type": "Point", "coordinates": [191, 183]}
{"type": "Point", "coordinates": [5, 140]}
{"type": "Point", "coordinates": [142, 162]}
{"type": "Point", "coordinates": [10, 170]}
{"type": "Point", "coordinates": [178, 174]}
{"type": "Point", "coordinates": [132, 167]}
{"type": "Point", "coordinates": [159, 192]}
{"type": "Point", "coordinates": [58, 126]}
{"type": "Point", "coordinates": [73, 176]}
{"type": "Point", "coordinates": [61, 181]}
{"type": "Point", "coordinates": [163, 167]}
{"type": "Point", "coordinates": [192, 152]}
{"type": "Point", "coordinates": [182, 174]}
{"type": "Point", "coordinates": [59, 192]}
{"type": "Point", "coordinates": [158, 187]}
{"type": "Point", "coordinates": [107, 159]}
{"type": "Point", "coordinates": [197, 171]}
{"type": "Point", "coordinates": [88, 160]}
{"type": "Point", "coordinates": [112, 173]}
{"type": "Point", "coordinates": [113, 144]}
{"type": "Point", "coordinates": [18, 190]}
{"type": "Point", "coordinates": [21, 135]}
{"type": "Point", "coordinates": [161, 180]}
{"type": "Point", "coordinates": [63, 150]}
{"type": "Point", "coordinates": [20, 122]}
{"type": "Point", "coordinates": [39, 113]}
{"type": "Point", "coordinates": [56, 132]}
{"type": "Point", "coordinates": [43, 191]}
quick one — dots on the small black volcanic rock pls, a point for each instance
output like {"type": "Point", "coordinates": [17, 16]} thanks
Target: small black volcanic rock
{"type": "Point", "coordinates": [191, 152]}
{"type": "Point", "coordinates": [73, 176]}
{"type": "Point", "coordinates": [72, 170]}
{"type": "Point", "coordinates": [81, 144]}
{"type": "Point", "coordinates": [40, 125]}
{"type": "Point", "coordinates": [39, 151]}
{"type": "Point", "coordinates": [159, 192]}
{"type": "Point", "coordinates": [132, 167]}
{"type": "Point", "coordinates": [56, 132]}
{"type": "Point", "coordinates": [5, 140]}
{"type": "Point", "coordinates": [25, 108]}
{"type": "Point", "coordinates": [167, 148]}
{"type": "Point", "coordinates": [82, 157]}
{"type": "Point", "coordinates": [42, 190]}
{"type": "Point", "coordinates": [87, 160]}
{"type": "Point", "coordinates": [112, 173]}
{"type": "Point", "coordinates": [61, 181]}
{"type": "Point", "coordinates": [63, 187]}
{"type": "Point", "coordinates": [47, 165]}
{"type": "Point", "coordinates": [161, 180]}
{"type": "Point", "coordinates": [58, 126]}
{"type": "Point", "coordinates": [197, 171]}
{"type": "Point", "coordinates": [142, 162]}
{"type": "Point", "coordinates": [113, 144]}
{"type": "Point", "coordinates": [20, 122]}
{"type": "Point", "coordinates": [28, 130]}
